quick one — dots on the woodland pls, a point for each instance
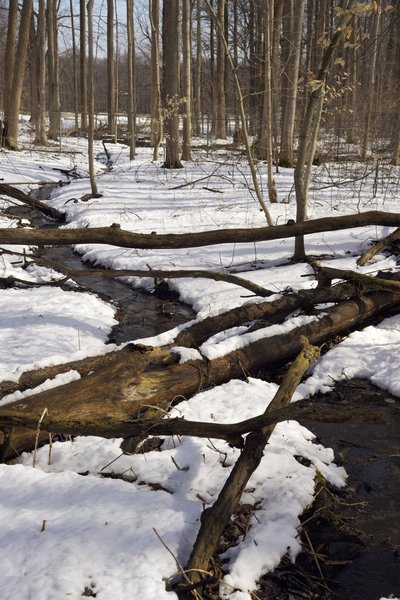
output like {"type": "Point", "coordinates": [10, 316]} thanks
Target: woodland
{"type": "Point", "coordinates": [239, 161]}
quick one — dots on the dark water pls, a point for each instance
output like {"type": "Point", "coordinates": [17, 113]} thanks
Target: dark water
{"type": "Point", "coordinates": [353, 533]}
{"type": "Point", "coordinates": [141, 313]}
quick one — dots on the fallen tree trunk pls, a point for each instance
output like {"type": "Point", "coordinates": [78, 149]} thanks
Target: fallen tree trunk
{"type": "Point", "coordinates": [115, 236]}
{"type": "Point", "coordinates": [125, 388]}
{"type": "Point", "coordinates": [214, 519]}
{"type": "Point", "coordinates": [13, 192]}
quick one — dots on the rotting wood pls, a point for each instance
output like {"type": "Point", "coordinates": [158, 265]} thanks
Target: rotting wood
{"type": "Point", "coordinates": [13, 192]}
{"type": "Point", "coordinates": [126, 388]}
{"type": "Point", "coordinates": [116, 236]}
{"type": "Point", "coordinates": [214, 519]}
{"type": "Point", "coordinates": [193, 335]}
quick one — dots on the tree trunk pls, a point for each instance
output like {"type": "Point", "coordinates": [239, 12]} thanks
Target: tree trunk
{"type": "Point", "coordinates": [264, 148]}
{"type": "Point", "coordinates": [83, 65]}
{"type": "Point", "coordinates": [371, 83]}
{"type": "Point", "coordinates": [170, 39]}
{"type": "Point", "coordinates": [156, 118]}
{"type": "Point", "coordinates": [131, 80]}
{"type": "Point", "coordinates": [111, 96]}
{"type": "Point", "coordinates": [310, 127]}
{"type": "Point", "coordinates": [92, 175]}
{"type": "Point", "coordinates": [197, 74]}
{"type": "Point", "coordinates": [40, 135]}
{"type": "Point", "coordinates": [9, 58]}
{"type": "Point", "coordinates": [53, 76]}
{"type": "Point", "coordinates": [18, 77]}
{"type": "Point", "coordinates": [187, 79]}
{"type": "Point", "coordinates": [293, 28]}
{"type": "Point", "coordinates": [220, 125]}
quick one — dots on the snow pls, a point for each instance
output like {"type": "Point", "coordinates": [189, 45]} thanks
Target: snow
{"type": "Point", "coordinates": [66, 528]}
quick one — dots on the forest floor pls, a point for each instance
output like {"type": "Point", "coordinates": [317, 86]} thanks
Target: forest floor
{"type": "Point", "coordinates": [81, 519]}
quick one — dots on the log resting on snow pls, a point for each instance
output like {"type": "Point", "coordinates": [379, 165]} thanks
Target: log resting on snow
{"type": "Point", "coordinates": [377, 247]}
{"type": "Point", "coordinates": [13, 192]}
{"type": "Point", "coordinates": [116, 236]}
{"type": "Point", "coordinates": [130, 385]}
{"type": "Point", "coordinates": [214, 518]}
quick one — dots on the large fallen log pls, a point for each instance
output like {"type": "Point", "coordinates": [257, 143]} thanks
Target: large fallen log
{"type": "Point", "coordinates": [115, 236]}
{"type": "Point", "coordinates": [131, 383]}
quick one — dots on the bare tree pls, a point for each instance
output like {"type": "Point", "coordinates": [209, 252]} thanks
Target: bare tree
{"type": "Point", "coordinates": [156, 120]}
{"type": "Point", "coordinates": [83, 64]}
{"type": "Point", "coordinates": [40, 133]}
{"type": "Point", "coordinates": [170, 41]}
{"type": "Point", "coordinates": [292, 30]}
{"type": "Point", "coordinates": [14, 101]}
{"type": "Point", "coordinates": [131, 79]}
{"type": "Point", "coordinates": [220, 125]}
{"type": "Point", "coordinates": [53, 72]}
{"type": "Point", "coordinates": [186, 79]}
{"type": "Point", "coordinates": [111, 95]}
{"type": "Point", "coordinates": [92, 176]}
{"type": "Point", "coordinates": [310, 126]}
{"type": "Point", "coordinates": [9, 58]}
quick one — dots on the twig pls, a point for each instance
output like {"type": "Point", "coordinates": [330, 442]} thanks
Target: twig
{"type": "Point", "coordinates": [45, 411]}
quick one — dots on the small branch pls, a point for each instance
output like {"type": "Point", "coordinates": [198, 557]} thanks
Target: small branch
{"type": "Point", "coordinates": [159, 274]}
{"type": "Point", "coordinates": [389, 285]}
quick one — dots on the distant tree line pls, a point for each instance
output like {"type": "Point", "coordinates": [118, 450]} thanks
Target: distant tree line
{"type": "Point", "coordinates": [204, 61]}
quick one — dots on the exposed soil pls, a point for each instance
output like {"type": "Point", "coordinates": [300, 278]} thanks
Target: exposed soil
{"type": "Point", "coordinates": [351, 537]}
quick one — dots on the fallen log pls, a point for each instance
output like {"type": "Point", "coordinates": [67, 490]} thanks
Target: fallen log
{"type": "Point", "coordinates": [116, 236]}
{"type": "Point", "coordinates": [131, 385]}
{"type": "Point", "coordinates": [214, 519]}
{"type": "Point", "coordinates": [13, 192]}
{"type": "Point", "coordinates": [197, 333]}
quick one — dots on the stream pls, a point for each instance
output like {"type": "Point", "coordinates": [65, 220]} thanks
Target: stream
{"type": "Point", "coordinates": [140, 313]}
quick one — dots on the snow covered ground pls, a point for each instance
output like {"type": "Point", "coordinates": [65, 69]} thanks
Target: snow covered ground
{"type": "Point", "coordinates": [66, 531]}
